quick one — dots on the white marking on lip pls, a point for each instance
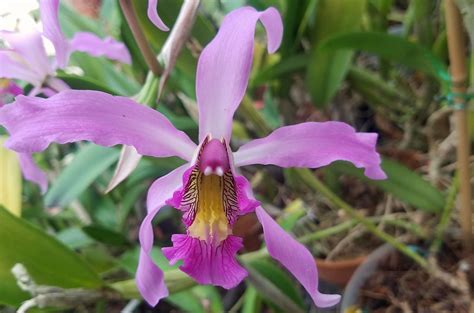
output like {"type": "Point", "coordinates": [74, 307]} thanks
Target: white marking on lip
{"type": "Point", "coordinates": [219, 171]}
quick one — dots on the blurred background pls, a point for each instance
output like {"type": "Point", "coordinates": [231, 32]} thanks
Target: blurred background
{"type": "Point", "coordinates": [378, 65]}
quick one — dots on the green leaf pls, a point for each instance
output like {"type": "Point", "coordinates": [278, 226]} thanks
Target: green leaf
{"type": "Point", "coordinates": [129, 260]}
{"type": "Point", "coordinates": [88, 164]}
{"type": "Point", "coordinates": [47, 260]}
{"type": "Point", "coordinates": [274, 287]}
{"type": "Point", "coordinates": [402, 182]}
{"type": "Point", "coordinates": [74, 238]}
{"type": "Point", "coordinates": [392, 48]}
{"type": "Point", "coordinates": [84, 83]}
{"type": "Point", "coordinates": [279, 278]}
{"type": "Point", "coordinates": [327, 69]}
{"type": "Point", "coordinates": [104, 235]}
{"type": "Point", "coordinates": [288, 65]}
{"type": "Point", "coordinates": [106, 73]}
{"type": "Point", "coordinates": [252, 301]}
{"type": "Point", "coordinates": [200, 299]}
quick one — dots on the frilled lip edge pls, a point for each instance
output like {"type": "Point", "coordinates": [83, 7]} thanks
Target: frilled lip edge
{"type": "Point", "coordinates": [210, 262]}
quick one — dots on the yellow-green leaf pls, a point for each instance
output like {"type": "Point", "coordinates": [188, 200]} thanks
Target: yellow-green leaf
{"type": "Point", "coordinates": [10, 180]}
{"type": "Point", "coordinates": [47, 260]}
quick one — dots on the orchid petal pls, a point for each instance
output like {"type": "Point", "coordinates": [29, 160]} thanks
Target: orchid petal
{"type": "Point", "coordinates": [97, 47]}
{"type": "Point", "coordinates": [32, 172]}
{"type": "Point", "coordinates": [154, 17]}
{"type": "Point", "coordinates": [29, 46]}
{"type": "Point", "coordinates": [12, 68]}
{"type": "Point", "coordinates": [149, 277]}
{"type": "Point", "coordinates": [128, 161]}
{"type": "Point", "coordinates": [224, 67]}
{"type": "Point", "coordinates": [314, 145]}
{"type": "Point", "coordinates": [295, 257]}
{"type": "Point", "coordinates": [49, 10]}
{"type": "Point", "coordinates": [106, 120]}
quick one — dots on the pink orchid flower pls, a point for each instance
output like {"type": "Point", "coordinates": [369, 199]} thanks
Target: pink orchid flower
{"type": "Point", "coordinates": [208, 189]}
{"type": "Point", "coordinates": [26, 58]}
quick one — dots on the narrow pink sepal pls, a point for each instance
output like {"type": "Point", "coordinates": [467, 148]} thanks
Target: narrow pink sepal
{"type": "Point", "coordinates": [314, 145]}
{"type": "Point", "coordinates": [32, 172]}
{"type": "Point", "coordinates": [294, 257]}
{"type": "Point", "coordinates": [97, 47]}
{"type": "Point", "coordinates": [49, 11]}
{"type": "Point", "coordinates": [154, 17]}
{"type": "Point", "coordinates": [224, 67]}
{"type": "Point", "coordinates": [75, 115]}
{"type": "Point", "coordinates": [208, 263]}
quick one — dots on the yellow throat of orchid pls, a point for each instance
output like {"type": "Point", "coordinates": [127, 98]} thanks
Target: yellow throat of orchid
{"type": "Point", "coordinates": [210, 222]}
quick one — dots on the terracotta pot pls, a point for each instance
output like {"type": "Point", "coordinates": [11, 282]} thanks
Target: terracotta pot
{"type": "Point", "coordinates": [364, 272]}
{"type": "Point", "coordinates": [338, 272]}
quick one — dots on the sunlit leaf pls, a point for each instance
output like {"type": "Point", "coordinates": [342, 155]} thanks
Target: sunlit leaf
{"type": "Point", "coordinates": [10, 180]}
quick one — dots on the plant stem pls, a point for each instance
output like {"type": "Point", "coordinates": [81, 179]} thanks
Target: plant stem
{"type": "Point", "coordinates": [328, 231]}
{"type": "Point", "coordinates": [457, 57]}
{"type": "Point", "coordinates": [444, 220]}
{"type": "Point", "coordinates": [147, 95]}
{"type": "Point", "coordinates": [247, 109]}
{"type": "Point", "coordinates": [142, 42]}
{"type": "Point", "coordinates": [311, 181]}
{"type": "Point", "coordinates": [175, 280]}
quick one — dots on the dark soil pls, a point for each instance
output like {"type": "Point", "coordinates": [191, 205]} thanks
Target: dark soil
{"type": "Point", "coordinates": [399, 285]}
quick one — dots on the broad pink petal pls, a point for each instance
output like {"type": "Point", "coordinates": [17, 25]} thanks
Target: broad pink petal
{"type": "Point", "coordinates": [314, 145]}
{"type": "Point", "coordinates": [29, 45]}
{"type": "Point", "coordinates": [32, 172]}
{"type": "Point", "coordinates": [154, 17]}
{"type": "Point", "coordinates": [106, 120]}
{"type": "Point", "coordinates": [95, 46]}
{"type": "Point", "coordinates": [208, 263]}
{"type": "Point", "coordinates": [295, 257]}
{"type": "Point", "coordinates": [149, 277]}
{"type": "Point", "coordinates": [224, 67]}
{"type": "Point", "coordinates": [12, 67]}
{"type": "Point", "coordinates": [49, 10]}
